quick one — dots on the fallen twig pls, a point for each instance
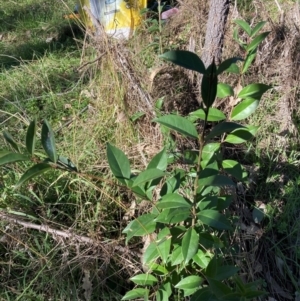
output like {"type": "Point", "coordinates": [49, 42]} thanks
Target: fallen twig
{"type": "Point", "coordinates": [65, 234]}
{"type": "Point", "coordinates": [92, 62]}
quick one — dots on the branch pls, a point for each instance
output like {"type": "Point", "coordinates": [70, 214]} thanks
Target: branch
{"type": "Point", "coordinates": [64, 234]}
{"type": "Point", "coordinates": [45, 228]}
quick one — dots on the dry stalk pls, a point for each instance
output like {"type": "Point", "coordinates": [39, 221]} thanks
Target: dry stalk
{"type": "Point", "coordinates": [64, 234]}
{"type": "Point", "coordinates": [123, 64]}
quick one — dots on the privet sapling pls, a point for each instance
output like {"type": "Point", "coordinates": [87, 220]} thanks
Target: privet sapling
{"type": "Point", "coordinates": [188, 255]}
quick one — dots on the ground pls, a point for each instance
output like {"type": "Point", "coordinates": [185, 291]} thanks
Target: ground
{"type": "Point", "coordinates": [50, 68]}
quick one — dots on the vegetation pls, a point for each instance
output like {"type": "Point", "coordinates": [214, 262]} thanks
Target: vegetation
{"type": "Point", "coordinates": [217, 216]}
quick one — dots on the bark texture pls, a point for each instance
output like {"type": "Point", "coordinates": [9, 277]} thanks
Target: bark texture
{"type": "Point", "coordinates": [217, 17]}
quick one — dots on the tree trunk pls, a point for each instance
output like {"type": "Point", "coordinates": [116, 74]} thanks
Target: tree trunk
{"type": "Point", "coordinates": [214, 38]}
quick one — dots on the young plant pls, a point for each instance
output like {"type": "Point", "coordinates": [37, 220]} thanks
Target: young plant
{"type": "Point", "coordinates": [190, 223]}
{"type": "Point", "coordinates": [188, 255]}
{"type": "Point", "coordinates": [52, 160]}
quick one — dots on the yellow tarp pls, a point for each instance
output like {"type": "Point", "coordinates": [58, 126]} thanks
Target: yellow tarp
{"type": "Point", "coordinates": [119, 17]}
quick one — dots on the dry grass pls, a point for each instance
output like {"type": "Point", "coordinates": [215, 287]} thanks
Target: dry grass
{"type": "Point", "coordinates": [114, 94]}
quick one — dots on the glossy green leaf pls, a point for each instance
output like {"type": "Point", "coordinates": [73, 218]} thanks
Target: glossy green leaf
{"type": "Point", "coordinates": [118, 163]}
{"type": "Point", "coordinates": [236, 38]}
{"type": "Point", "coordinates": [173, 200]}
{"type": "Point", "coordinates": [211, 169]}
{"type": "Point", "coordinates": [177, 233]}
{"type": "Point", "coordinates": [253, 285]}
{"type": "Point", "coordinates": [189, 282]}
{"type": "Point", "coordinates": [178, 124]}
{"type": "Point", "coordinates": [206, 240]}
{"type": "Point", "coordinates": [66, 163]}
{"type": "Point", "coordinates": [212, 268]}
{"type": "Point", "coordinates": [188, 292]}
{"type": "Point", "coordinates": [12, 158]}
{"type": "Point", "coordinates": [254, 294]}
{"type": "Point", "coordinates": [224, 202]}
{"type": "Point", "coordinates": [137, 116]}
{"type": "Point", "coordinates": [172, 216]}
{"type": "Point", "coordinates": [209, 150]}
{"type": "Point", "coordinates": [254, 91]}
{"type": "Point", "coordinates": [218, 288]}
{"type": "Point", "coordinates": [214, 219]}
{"type": "Point", "coordinates": [10, 140]}
{"type": "Point", "coordinates": [137, 190]}
{"type": "Point", "coordinates": [208, 202]}
{"type": "Point", "coordinates": [234, 168]}
{"type": "Point", "coordinates": [221, 128]}
{"type": "Point", "coordinates": [209, 190]}
{"type": "Point", "coordinates": [159, 161]}
{"type": "Point", "coordinates": [209, 85]}
{"type": "Point", "coordinates": [171, 185]}
{"type": "Point", "coordinates": [186, 59]}
{"type": "Point", "coordinates": [190, 244]}
{"type": "Point", "coordinates": [177, 256]}
{"type": "Point", "coordinates": [201, 259]}
{"type": "Point", "coordinates": [225, 271]}
{"type": "Point", "coordinates": [256, 41]}
{"type": "Point", "coordinates": [164, 244]}
{"type": "Point", "coordinates": [233, 69]}
{"type": "Point", "coordinates": [213, 180]}
{"type": "Point", "coordinates": [239, 284]}
{"type": "Point", "coordinates": [248, 61]}
{"type": "Point", "coordinates": [31, 137]}
{"type": "Point", "coordinates": [151, 254]}
{"type": "Point", "coordinates": [157, 269]}
{"type": "Point", "coordinates": [239, 136]}
{"type": "Point", "coordinates": [48, 141]}
{"type": "Point", "coordinates": [159, 103]}
{"type": "Point", "coordinates": [213, 114]}
{"type": "Point", "coordinates": [258, 215]}
{"type": "Point", "coordinates": [4, 153]}
{"type": "Point", "coordinates": [141, 226]}
{"type": "Point", "coordinates": [224, 90]}
{"type": "Point", "coordinates": [161, 295]}
{"type": "Point", "coordinates": [144, 279]}
{"type": "Point", "coordinates": [147, 176]}
{"type": "Point", "coordinates": [32, 172]}
{"type": "Point", "coordinates": [136, 294]}
{"type": "Point", "coordinates": [244, 25]}
{"type": "Point", "coordinates": [244, 109]}
{"type": "Point", "coordinates": [257, 28]}
{"type": "Point", "coordinates": [229, 65]}
{"type": "Point", "coordinates": [167, 286]}
{"type": "Point", "coordinates": [204, 294]}
{"type": "Point", "coordinates": [190, 156]}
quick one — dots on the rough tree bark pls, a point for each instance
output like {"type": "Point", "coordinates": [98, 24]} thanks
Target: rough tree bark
{"type": "Point", "coordinates": [214, 38]}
